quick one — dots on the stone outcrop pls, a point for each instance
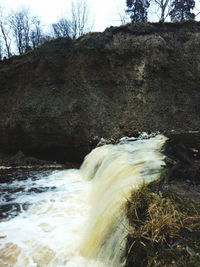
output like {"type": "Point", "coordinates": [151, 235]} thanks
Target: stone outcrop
{"type": "Point", "coordinates": [57, 101]}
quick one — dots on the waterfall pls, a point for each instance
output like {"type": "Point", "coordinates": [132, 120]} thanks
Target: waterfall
{"type": "Point", "coordinates": [115, 171]}
{"type": "Point", "coordinates": [77, 217]}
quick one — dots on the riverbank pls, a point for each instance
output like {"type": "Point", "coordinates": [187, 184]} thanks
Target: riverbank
{"type": "Point", "coordinates": [164, 225]}
{"type": "Point", "coordinates": [164, 216]}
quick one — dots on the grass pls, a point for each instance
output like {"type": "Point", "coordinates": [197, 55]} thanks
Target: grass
{"type": "Point", "coordinates": [164, 229]}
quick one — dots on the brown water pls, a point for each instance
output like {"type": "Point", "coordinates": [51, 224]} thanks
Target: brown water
{"type": "Point", "coordinates": [76, 217]}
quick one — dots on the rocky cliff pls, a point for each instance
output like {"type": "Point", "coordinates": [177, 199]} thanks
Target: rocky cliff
{"type": "Point", "coordinates": [58, 100]}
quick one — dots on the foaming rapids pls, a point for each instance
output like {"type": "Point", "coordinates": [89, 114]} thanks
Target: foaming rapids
{"type": "Point", "coordinates": [116, 170]}
{"type": "Point", "coordinates": [77, 217]}
{"type": "Point", "coordinates": [48, 226]}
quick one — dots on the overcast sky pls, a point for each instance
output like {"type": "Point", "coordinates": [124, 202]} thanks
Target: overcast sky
{"type": "Point", "coordinates": [104, 12]}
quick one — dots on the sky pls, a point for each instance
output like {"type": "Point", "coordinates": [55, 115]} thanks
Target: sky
{"type": "Point", "coordinates": [104, 12]}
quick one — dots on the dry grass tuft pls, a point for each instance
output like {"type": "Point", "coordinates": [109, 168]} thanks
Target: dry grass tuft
{"type": "Point", "coordinates": [161, 230]}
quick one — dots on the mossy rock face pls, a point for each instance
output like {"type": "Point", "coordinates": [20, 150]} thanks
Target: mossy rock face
{"type": "Point", "coordinates": [164, 228]}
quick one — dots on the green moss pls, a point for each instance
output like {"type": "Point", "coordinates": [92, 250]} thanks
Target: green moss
{"type": "Point", "coordinates": [164, 229]}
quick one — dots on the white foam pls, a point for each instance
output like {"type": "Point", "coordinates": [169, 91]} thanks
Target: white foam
{"type": "Point", "coordinates": [47, 233]}
{"type": "Point", "coordinates": [67, 214]}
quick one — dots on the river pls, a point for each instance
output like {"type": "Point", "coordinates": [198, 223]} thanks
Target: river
{"type": "Point", "coordinates": [76, 217]}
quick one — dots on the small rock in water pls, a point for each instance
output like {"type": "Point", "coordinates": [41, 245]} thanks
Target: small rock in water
{"type": "Point", "coordinates": [103, 142]}
{"type": "Point", "coordinates": [127, 139]}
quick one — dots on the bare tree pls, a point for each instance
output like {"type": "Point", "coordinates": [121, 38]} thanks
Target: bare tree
{"type": "Point", "coordinates": [62, 28]}
{"type": "Point", "coordinates": [1, 49]}
{"type": "Point", "coordinates": [4, 30]}
{"type": "Point", "coordinates": [80, 19]}
{"type": "Point", "coordinates": [36, 32]}
{"type": "Point", "coordinates": [123, 18]}
{"type": "Point", "coordinates": [77, 23]}
{"type": "Point", "coordinates": [20, 24]}
{"type": "Point", "coordinates": [164, 6]}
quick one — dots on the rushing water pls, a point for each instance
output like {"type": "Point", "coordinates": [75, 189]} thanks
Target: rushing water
{"type": "Point", "coordinates": [76, 217]}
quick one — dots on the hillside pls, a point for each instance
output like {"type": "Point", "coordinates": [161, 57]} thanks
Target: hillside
{"type": "Point", "coordinates": [57, 101]}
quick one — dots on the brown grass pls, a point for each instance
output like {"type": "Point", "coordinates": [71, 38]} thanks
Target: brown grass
{"type": "Point", "coordinates": [161, 230]}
